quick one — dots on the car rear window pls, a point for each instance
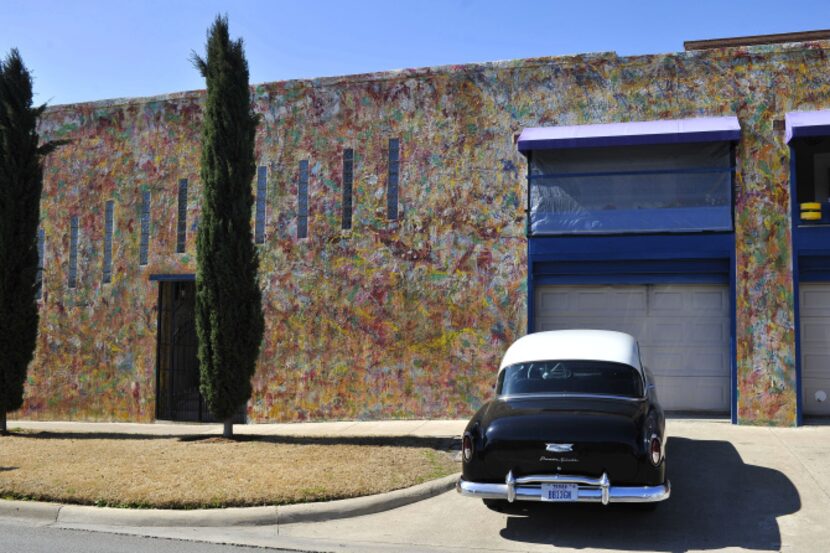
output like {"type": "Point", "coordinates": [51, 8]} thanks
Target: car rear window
{"type": "Point", "coordinates": [570, 377]}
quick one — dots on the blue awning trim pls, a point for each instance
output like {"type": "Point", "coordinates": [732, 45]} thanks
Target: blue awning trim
{"type": "Point", "coordinates": [674, 131]}
{"type": "Point", "coordinates": [802, 124]}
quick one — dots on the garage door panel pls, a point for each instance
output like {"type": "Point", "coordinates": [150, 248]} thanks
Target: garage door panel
{"type": "Point", "coordinates": [716, 301]}
{"type": "Point", "coordinates": [662, 331]}
{"type": "Point", "coordinates": [619, 302]}
{"type": "Point", "coordinates": [666, 301]}
{"type": "Point", "coordinates": [707, 333]}
{"type": "Point", "coordinates": [694, 393]}
{"type": "Point", "coordinates": [683, 330]}
{"type": "Point", "coordinates": [814, 364]}
{"type": "Point", "coordinates": [667, 332]}
{"type": "Point", "coordinates": [630, 327]}
{"type": "Point", "coordinates": [549, 300]}
{"type": "Point", "coordinates": [678, 362]}
{"type": "Point", "coordinates": [815, 330]}
{"type": "Point", "coordinates": [601, 299]}
{"type": "Point", "coordinates": [814, 307]}
{"type": "Point", "coordinates": [814, 300]}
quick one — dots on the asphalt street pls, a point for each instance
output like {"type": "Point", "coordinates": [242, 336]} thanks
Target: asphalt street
{"type": "Point", "coordinates": [19, 537]}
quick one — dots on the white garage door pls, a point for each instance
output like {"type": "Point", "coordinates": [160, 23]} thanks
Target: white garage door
{"type": "Point", "coordinates": [814, 305]}
{"type": "Point", "coordinates": [683, 330]}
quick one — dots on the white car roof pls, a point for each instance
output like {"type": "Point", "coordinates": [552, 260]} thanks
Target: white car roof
{"type": "Point", "coordinates": [593, 345]}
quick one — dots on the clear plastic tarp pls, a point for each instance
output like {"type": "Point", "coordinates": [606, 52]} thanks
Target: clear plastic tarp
{"type": "Point", "coordinates": [653, 188]}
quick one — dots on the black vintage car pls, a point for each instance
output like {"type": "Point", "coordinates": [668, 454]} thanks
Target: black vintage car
{"type": "Point", "coordinates": [575, 418]}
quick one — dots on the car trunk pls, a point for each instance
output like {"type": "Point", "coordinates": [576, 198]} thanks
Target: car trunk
{"type": "Point", "coordinates": [575, 436]}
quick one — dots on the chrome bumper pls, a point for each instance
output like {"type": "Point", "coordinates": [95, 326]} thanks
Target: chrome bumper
{"type": "Point", "coordinates": [591, 490]}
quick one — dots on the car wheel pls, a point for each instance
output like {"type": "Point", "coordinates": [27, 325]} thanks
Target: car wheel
{"type": "Point", "coordinates": [498, 505]}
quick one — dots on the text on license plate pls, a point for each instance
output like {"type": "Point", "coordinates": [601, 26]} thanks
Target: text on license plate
{"type": "Point", "coordinates": [560, 492]}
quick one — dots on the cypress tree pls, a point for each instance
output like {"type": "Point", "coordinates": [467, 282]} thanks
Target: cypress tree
{"type": "Point", "coordinates": [21, 182]}
{"type": "Point", "coordinates": [229, 320]}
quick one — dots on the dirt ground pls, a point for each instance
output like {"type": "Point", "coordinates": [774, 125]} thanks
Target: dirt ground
{"type": "Point", "coordinates": [192, 472]}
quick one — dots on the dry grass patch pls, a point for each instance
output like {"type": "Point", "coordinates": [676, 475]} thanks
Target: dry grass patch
{"type": "Point", "coordinates": [176, 473]}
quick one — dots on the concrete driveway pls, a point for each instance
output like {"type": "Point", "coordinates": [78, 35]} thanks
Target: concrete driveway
{"type": "Point", "coordinates": [733, 488]}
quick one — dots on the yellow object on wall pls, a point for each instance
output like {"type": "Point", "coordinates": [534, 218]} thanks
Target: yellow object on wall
{"type": "Point", "coordinates": [811, 211]}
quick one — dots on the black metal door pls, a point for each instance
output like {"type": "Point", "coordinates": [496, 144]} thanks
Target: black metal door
{"type": "Point", "coordinates": [178, 396]}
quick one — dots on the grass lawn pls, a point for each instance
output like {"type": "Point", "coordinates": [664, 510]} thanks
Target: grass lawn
{"type": "Point", "coordinates": [193, 472]}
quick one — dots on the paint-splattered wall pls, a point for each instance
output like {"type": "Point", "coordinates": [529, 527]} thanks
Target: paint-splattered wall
{"type": "Point", "coordinates": [406, 318]}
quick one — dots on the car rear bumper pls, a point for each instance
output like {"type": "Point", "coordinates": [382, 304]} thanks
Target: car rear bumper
{"type": "Point", "coordinates": [590, 490]}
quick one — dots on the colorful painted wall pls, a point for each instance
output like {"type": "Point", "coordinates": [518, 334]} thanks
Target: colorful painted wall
{"type": "Point", "coordinates": [395, 319]}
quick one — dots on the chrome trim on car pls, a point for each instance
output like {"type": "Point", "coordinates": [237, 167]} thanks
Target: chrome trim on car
{"type": "Point", "coordinates": [591, 490]}
{"type": "Point", "coordinates": [510, 482]}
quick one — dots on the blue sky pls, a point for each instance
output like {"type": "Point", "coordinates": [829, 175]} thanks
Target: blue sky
{"type": "Point", "coordinates": [82, 50]}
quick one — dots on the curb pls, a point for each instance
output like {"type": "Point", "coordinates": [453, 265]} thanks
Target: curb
{"type": "Point", "coordinates": [232, 516]}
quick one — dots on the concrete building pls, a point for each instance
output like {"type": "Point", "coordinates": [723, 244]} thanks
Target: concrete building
{"type": "Point", "coordinates": [412, 224]}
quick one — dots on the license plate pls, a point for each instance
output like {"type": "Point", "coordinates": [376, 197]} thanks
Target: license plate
{"type": "Point", "coordinates": [560, 492]}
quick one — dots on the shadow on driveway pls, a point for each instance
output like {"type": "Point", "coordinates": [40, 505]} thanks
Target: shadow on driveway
{"type": "Point", "coordinates": [717, 501]}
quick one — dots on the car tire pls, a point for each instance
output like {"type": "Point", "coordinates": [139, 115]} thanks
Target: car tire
{"type": "Point", "coordinates": [498, 505]}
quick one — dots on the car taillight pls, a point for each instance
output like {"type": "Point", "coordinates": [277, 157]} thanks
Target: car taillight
{"type": "Point", "coordinates": [655, 451]}
{"type": "Point", "coordinates": [467, 447]}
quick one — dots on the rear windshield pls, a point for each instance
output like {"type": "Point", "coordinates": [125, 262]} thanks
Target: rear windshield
{"type": "Point", "coordinates": [570, 377]}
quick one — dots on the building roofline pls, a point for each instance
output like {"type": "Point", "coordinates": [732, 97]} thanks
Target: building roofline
{"type": "Point", "coordinates": [756, 40]}
{"type": "Point", "coordinates": [402, 74]}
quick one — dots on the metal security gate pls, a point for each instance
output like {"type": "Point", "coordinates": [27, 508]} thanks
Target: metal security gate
{"type": "Point", "coordinates": [814, 307]}
{"type": "Point", "coordinates": [177, 373]}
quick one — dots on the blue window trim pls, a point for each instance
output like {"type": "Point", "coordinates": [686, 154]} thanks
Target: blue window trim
{"type": "Point", "coordinates": [731, 169]}
{"type": "Point", "coordinates": [109, 224]}
{"type": "Point", "coordinates": [144, 239]}
{"type": "Point", "coordinates": [73, 252]}
{"type": "Point", "coordinates": [348, 186]}
{"type": "Point", "coordinates": [302, 200]}
{"type": "Point", "coordinates": [164, 277]}
{"type": "Point", "coordinates": [181, 229]}
{"type": "Point", "coordinates": [259, 217]}
{"type": "Point", "coordinates": [393, 179]}
{"type": "Point", "coordinates": [41, 249]}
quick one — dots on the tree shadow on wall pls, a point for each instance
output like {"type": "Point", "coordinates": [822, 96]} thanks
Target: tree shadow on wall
{"type": "Point", "coordinates": [717, 501]}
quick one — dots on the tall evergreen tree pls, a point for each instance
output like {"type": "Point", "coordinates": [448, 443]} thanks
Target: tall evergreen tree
{"type": "Point", "coordinates": [229, 319]}
{"type": "Point", "coordinates": [21, 182]}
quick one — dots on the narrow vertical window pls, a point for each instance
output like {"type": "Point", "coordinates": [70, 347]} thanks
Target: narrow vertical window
{"type": "Point", "coordinates": [144, 243]}
{"type": "Point", "coordinates": [181, 235]}
{"type": "Point", "coordinates": [109, 208]}
{"type": "Point", "coordinates": [261, 180]}
{"type": "Point", "coordinates": [41, 244]}
{"type": "Point", "coordinates": [302, 201]}
{"type": "Point", "coordinates": [73, 252]}
{"type": "Point", "coordinates": [392, 183]}
{"type": "Point", "coordinates": [348, 177]}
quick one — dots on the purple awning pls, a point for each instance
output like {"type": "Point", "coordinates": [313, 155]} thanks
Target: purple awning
{"type": "Point", "coordinates": [674, 131]}
{"type": "Point", "coordinates": [807, 123]}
